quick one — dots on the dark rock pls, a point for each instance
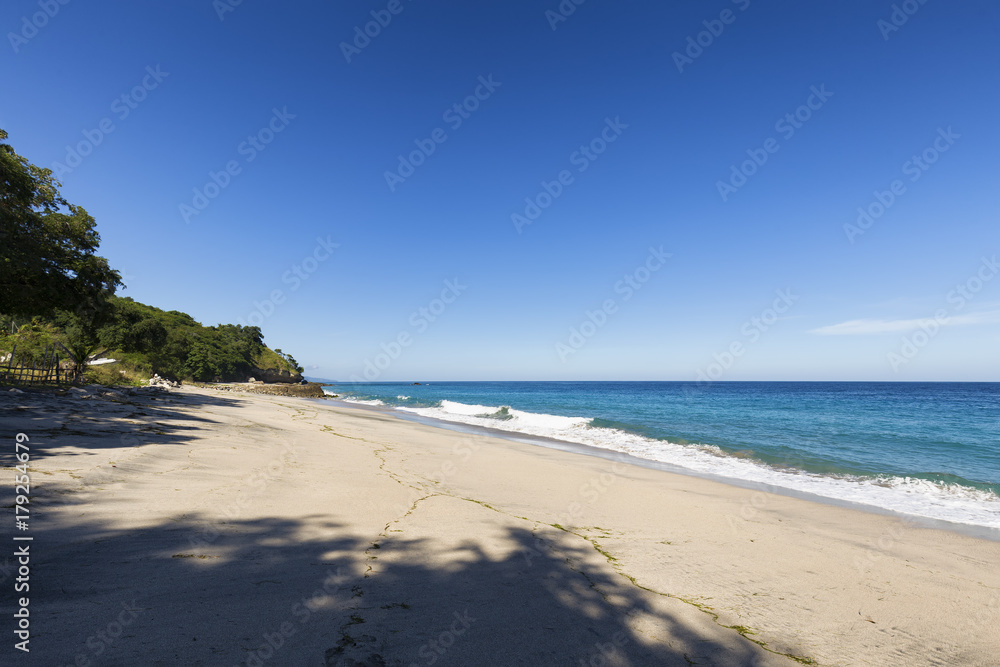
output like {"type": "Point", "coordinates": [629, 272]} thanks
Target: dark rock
{"type": "Point", "coordinates": [309, 390]}
{"type": "Point", "coordinates": [274, 376]}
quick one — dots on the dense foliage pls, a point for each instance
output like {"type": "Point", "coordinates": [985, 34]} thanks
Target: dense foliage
{"type": "Point", "coordinates": [177, 346]}
{"type": "Point", "coordinates": [151, 340]}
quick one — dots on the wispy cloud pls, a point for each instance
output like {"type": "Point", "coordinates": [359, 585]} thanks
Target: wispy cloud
{"type": "Point", "coordinates": [870, 326]}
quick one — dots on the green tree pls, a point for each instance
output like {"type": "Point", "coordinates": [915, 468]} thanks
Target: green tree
{"type": "Point", "coordinates": [47, 246]}
{"type": "Point", "coordinates": [290, 359]}
{"type": "Point", "coordinates": [131, 328]}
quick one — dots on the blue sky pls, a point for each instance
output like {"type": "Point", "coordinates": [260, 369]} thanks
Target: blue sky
{"type": "Point", "coordinates": [311, 240]}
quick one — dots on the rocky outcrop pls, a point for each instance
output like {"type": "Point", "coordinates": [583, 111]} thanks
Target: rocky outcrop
{"type": "Point", "coordinates": [274, 376]}
{"type": "Point", "coordinates": [310, 390]}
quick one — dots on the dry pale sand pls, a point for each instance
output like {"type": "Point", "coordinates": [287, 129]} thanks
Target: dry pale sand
{"type": "Point", "coordinates": [203, 528]}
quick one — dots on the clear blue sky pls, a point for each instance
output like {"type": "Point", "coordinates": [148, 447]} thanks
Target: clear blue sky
{"type": "Point", "coordinates": [861, 310]}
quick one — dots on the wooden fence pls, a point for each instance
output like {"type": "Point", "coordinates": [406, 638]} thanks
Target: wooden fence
{"type": "Point", "coordinates": [33, 370]}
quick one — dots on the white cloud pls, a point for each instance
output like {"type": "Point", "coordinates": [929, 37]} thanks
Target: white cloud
{"type": "Point", "coordinates": [870, 326]}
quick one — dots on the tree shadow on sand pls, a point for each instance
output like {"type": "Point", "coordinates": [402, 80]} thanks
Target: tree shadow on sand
{"type": "Point", "coordinates": [280, 592]}
{"type": "Point", "coordinates": [102, 419]}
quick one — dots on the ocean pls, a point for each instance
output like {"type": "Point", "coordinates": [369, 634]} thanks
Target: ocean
{"type": "Point", "coordinates": [929, 450]}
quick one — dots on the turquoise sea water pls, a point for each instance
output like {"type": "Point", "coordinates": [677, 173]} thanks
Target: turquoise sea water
{"type": "Point", "coordinates": [927, 449]}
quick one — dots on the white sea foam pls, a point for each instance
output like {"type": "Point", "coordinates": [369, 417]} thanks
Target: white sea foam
{"type": "Point", "coordinates": [403, 398]}
{"type": "Point", "coordinates": [361, 401]}
{"type": "Point", "coordinates": [934, 500]}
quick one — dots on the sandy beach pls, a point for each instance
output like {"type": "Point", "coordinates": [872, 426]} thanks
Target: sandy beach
{"type": "Point", "coordinates": [199, 527]}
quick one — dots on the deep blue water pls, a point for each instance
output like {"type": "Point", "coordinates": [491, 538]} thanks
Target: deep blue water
{"type": "Point", "coordinates": [931, 449]}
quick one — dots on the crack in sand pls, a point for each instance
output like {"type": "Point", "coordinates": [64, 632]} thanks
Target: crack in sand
{"type": "Point", "coordinates": [743, 631]}
{"type": "Point", "coordinates": [613, 561]}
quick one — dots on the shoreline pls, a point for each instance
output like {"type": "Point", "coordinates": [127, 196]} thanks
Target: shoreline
{"type": "Point", "coordinates": [244, 528]}
{"type": "Point", "coordinates": [973, 530]}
